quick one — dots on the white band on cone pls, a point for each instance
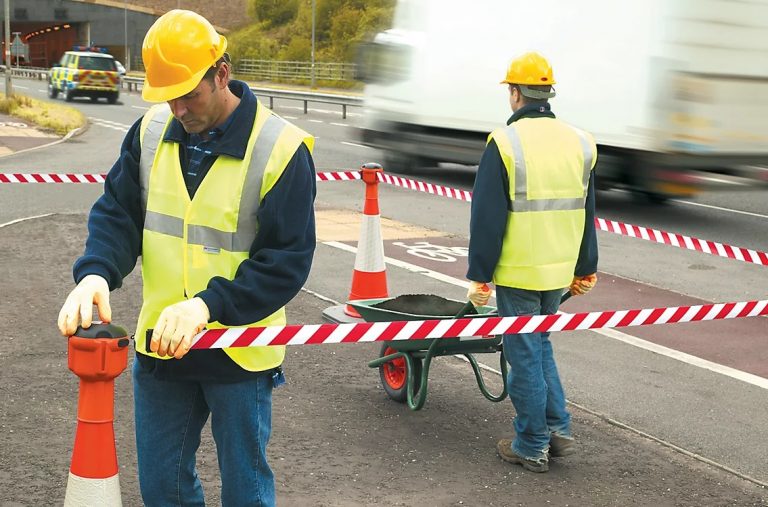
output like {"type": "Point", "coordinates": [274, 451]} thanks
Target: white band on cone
{"type": "Point", "coordinates": [370, 249]}
{"type": "Point", "coordinates": [84, 492]}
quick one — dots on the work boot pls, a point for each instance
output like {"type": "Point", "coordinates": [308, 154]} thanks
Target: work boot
{"type": "Point", "coordinates": [560, 446]}
{"type": "Point", "coordinates": [538, 465]}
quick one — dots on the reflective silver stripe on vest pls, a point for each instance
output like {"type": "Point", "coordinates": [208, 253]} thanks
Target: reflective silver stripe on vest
{"type": "Point", "coordinates": [164, 224]}
{"type": "Point", "coordinates": [152, 137]}
{"type": "Point", "coordinates": [520, 201]}
{"type": "Point", "coordinates": [247, 224]}
{"type": "Point", "coordinates": [586, 147]}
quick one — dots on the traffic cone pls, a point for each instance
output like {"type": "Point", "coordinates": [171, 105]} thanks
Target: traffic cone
{"type": "Point", "coordinates": [369, 278]}
{"type": "Point", "coordinates": [97, 355]}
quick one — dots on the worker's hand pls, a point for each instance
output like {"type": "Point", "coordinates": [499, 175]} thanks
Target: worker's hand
{"type": "Point", "coordinates": [479, 293]}
{"type": "Point", "coordinates": [78, 308]}
{"type": "Point", "coordinates": [177, 324]}
{"type": "Point", "coordinates": [583, 284]}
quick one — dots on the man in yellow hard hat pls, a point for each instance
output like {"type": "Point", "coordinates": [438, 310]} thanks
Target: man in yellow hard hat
{"type": "Point", "coordinates": [532, 233]}
{"type": "Point", "coordinates": [215, 192]}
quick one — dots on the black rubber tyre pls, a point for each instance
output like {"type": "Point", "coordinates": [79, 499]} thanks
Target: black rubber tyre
{"type": "Point", "coordinates": [68, 96]}
{"type": "Point", "coordinates": [394, 375]}
{"type": "Point", "coordinates": [112, 99]}
{"type": "Point", "coordinates": [53, 92]}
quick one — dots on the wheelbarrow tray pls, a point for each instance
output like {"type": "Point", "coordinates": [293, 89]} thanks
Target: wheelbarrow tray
{"type": "Point", "coordinates": [370, 313]}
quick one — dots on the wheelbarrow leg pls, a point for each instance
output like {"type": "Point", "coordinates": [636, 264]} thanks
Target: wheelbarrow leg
{"type": "Point", "coordinates": [481, 380]}
{"type": "Point", "coordinates": [417, 400]}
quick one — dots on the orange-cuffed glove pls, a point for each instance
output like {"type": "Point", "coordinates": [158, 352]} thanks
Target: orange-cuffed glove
{"type": "Point", "coordinates": [583, 284]}
{"type": "Point", "coordinates": [479, 293]}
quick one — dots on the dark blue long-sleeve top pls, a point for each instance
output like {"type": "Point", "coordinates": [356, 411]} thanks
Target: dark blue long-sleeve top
{"type": "Point", "coordinates": [491, 203]}
{"type": "Point", "coordinates": [280, 256]}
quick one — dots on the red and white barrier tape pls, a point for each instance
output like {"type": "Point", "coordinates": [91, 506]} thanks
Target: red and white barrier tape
{"type": "Point", "coordinates": [682, 241]}
{"type": "Point", "coordinates": [52, 178]}
{"type": "Point", "coordinates": [634, 231]}
{"type": "Point", "coordinates": [316, 334]}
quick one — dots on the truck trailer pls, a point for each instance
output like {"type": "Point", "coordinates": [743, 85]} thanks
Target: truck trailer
{"type": "Point", "coordinates": [674, 91]}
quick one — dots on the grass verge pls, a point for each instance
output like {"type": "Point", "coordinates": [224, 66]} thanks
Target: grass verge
{"type": "Point", "coordinates": [55, 117]}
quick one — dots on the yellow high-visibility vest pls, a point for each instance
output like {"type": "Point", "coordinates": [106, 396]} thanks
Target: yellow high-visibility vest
{"type": "Point", "coordinates": [548, 163]}
{"type": "Point", "coordinates": [186, 242]}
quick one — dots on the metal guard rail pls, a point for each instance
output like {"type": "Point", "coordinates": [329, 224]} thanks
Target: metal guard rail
{"type": "Point", "coordinates": [134, 83]}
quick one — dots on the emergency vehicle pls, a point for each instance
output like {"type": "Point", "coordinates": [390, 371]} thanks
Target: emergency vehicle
{"type": "Point", "coordinates": [85, 72]}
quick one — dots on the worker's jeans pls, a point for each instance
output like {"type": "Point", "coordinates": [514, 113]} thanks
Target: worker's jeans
{"type": "Point", "coordinates": [169, 419]}
{"type": "Point", "coordinates": [533, 382]}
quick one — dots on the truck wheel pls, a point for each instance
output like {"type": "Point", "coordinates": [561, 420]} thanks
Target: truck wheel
{"type": "Point", "coordinates": [53, 92]}
{"type": "Point", "coordinates": [404, 163]}
{"type": "Point", "coordinates": [112, 98]}
{"type": "Point", "coordinates": [93, 98]}
{"type": "Point", "coordinates": [394, 375]}
{"type": "Point", "coordinates": [68, 96]}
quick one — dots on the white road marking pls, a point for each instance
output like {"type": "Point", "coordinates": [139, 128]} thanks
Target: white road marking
{"type": "Point", "coordinates": [20, 87]}
{"type": "Point", "coordinates": [340, 124]}
{"type": "Point", "coordinates": [316, 121]}
{"type": "Point", "coordinates": [740, 212]}
{"type": "Point", "coordinates": [140, 107]}
{"type": "Point", "coordinates": [609, 333]}
{"type": "Point", "coordinates": [110, 122]}
{"type": "Point", "coordinates": [355, 145]}
{"type": "Point", "coordinates": [289, 117]}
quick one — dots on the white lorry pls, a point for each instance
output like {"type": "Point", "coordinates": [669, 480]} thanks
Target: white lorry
{"type": "Point", "coordinates": [674, 91]}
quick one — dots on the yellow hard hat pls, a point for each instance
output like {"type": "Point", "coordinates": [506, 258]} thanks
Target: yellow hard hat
{"type": "Point", "coordinates": [178, 50]}
{"type": "Point", "coordinates": [529, 69]}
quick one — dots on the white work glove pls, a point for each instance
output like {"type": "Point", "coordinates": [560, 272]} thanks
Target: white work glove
{"type": "Point", "coordinates": [78, 308]}
{"type": "Point", "coordinates": [583, 284]}
{"type": "Point", "coordinates": [479, 293]}
{"type": "Point", "coordinates": [177, 324]}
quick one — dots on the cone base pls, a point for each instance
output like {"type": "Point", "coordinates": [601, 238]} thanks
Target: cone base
{"type": "Point", "coordinates": [83, 492]}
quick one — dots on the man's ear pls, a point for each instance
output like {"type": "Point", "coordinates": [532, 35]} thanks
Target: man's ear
{"type": "Point", "coordinates": [223, 75]}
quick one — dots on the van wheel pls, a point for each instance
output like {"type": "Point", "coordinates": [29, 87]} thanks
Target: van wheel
{"type": "Point", "coordinates": [52, 91]}
{"type": "Point", "coordinates": [93, 98]}
{"type": "Point", "coordinates": [68, 96]}
{"type": "Point", "coordinates": [112, 99]}
{"type": "Point", "coordinates": [404, 163]}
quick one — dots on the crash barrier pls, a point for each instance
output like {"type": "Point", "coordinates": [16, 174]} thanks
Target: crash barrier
{"type": "Point", "coordinates": [344, 101]}
{"type": "Point", "coordinates": [97, 355]}
{"type": "Point", "coordinates": [612, 226]}
{"type": "Point", "coordinates": [480, 327]}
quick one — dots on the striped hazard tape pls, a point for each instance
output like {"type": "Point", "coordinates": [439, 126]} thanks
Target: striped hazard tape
{"type": "Point", "coordinates": [612, 226]}
{"type": "Point", "coordinates": [474, 327]}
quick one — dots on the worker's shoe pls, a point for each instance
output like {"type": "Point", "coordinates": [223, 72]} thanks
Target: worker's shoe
{"type": "Point", "coordinates": [560, 446]}
{"type": "Point", "coordinates": [538, 465]}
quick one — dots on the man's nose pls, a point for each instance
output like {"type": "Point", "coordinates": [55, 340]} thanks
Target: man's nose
{"type": "Point", "coordinates": [177, 108]}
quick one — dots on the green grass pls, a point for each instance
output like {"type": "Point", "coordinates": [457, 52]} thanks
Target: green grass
{"type": "Point", "coordinates": [54, 117]}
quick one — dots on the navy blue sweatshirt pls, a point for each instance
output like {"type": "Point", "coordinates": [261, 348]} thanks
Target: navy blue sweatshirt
{"type": "Point", "coordinates": [280, 256]}
{"type": "Point", "coordinates": [491, 203]}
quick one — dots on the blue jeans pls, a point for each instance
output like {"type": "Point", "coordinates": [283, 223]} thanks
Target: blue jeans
{"type": "Point", "coordinates": [170, 417]}
{"type": "Point", "coordinates": [533, 382]}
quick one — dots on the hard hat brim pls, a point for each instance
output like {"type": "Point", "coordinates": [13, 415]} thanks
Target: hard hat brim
{"type": "Point", "coordinates": [165, 93]}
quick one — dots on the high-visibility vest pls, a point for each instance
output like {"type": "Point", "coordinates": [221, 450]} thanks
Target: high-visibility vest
{"type": "Point", "coordinates": [548, 163]}
{"type": "Point", "coordinates": [188, 242]}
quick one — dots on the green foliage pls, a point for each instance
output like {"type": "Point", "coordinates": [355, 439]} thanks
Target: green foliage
{"type": "Point", "coordinates": [283, 28]}
{"type": "Point", "coordinates": [273, 12]}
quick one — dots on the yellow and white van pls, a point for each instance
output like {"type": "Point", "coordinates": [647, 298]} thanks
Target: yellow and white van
{"type": "Point", "coordinates": [85, 72]}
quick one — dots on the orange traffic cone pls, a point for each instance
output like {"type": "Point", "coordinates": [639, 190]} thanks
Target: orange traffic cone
{"type": "Point", "coordinates": [97, 355]}
{"type": "Point", "coordinates": [369, 278]}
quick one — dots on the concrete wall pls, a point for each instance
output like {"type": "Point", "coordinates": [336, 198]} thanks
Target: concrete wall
{"type": "Point", "coordinates": [104, 24]}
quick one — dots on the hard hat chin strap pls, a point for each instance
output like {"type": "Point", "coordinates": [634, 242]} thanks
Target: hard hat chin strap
{"type": "Point", "coordinates": [529, 92]}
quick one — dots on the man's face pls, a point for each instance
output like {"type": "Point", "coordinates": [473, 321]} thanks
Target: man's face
{"type": "Point", "coordinates": [199, 109]}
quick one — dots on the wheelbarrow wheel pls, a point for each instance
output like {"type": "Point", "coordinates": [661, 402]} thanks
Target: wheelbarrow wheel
{"type": "Point", "coordinates": [394, 375]}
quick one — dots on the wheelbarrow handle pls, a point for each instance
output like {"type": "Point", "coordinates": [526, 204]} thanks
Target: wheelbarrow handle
{"type": "Point", "coordinates": [565, 297]}
{"type": "Point", "coordinates": [467, 308]}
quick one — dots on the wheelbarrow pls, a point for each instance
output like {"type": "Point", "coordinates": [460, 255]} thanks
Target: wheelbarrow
{"type": "Point", "coordinates": [404, 365]}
